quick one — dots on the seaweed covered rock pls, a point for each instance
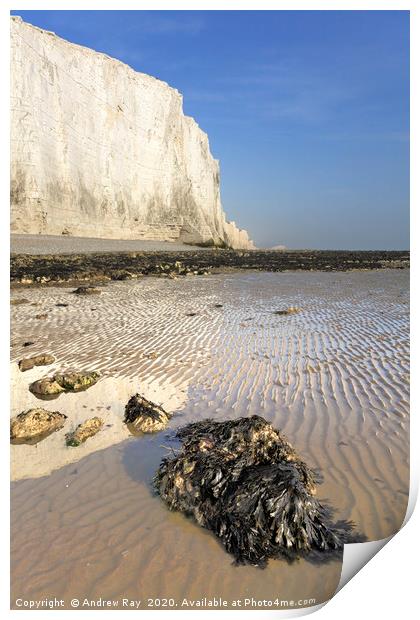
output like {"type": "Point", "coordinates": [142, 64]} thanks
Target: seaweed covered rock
{"type": "Point", "coordinates": [143, 416]}
{"type": "Point", "coordinates": [35, 424]}
{"type": "Point", "coordinates": [242, 480]}
{"type": "Point", "coordinates": [72, 381]}
{"type": "Point", "coordinates": [173, 270]}
{"type": "Point", "coordinates": [46, 386]}
{"type": "Point", "coordinates": [84, 431]}
{"type": "Point", "coordinates": [287, 311]}
{"type": "Point", "coordinates": [87, 290]}
{"type": "Point", "coordinates": [36, 360]}
{"type": "Point", "coordinates": [68, 381]}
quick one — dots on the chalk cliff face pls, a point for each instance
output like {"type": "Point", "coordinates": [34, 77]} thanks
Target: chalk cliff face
{"type": "Point", "coordinates": [99, 150]}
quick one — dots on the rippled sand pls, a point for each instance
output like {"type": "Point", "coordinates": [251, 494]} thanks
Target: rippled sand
{"type": "Point", "coordinates": [333, 378]}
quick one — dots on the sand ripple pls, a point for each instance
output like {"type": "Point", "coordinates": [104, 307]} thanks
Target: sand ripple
{"type": "Point", "coordinates": [333, 377]}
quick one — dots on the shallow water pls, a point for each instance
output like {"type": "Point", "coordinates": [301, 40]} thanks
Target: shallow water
{"type": "Point", "coordinates": [333, 378]}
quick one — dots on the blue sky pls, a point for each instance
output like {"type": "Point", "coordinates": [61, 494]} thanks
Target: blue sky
{"type": "Point", "coordinates": [307, 111]}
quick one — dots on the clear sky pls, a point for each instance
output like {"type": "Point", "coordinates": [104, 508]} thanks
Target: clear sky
{"type": "Point", "coordinates": [307, 111]}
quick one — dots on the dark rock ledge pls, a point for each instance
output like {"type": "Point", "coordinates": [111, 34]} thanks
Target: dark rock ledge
{"type": "Point", "coordinates": [53, 269]}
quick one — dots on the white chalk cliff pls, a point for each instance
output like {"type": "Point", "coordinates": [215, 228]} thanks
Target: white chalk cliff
{"type": "Point", "coordinates": [100, 150]}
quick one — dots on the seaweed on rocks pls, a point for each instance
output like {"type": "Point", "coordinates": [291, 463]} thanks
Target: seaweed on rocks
{"type": "Point", "coordinates": [99, 267]}
{"type": "Point", "coordinates": [87, 290]}
{"type": "Point", "coordinates": [287, 311]}
{"type": "Point", "coordinates": [68, 381]}
{"type": "Point", "coordinates": [46, 387]}
{"type": "Point", "coordinates": [143, 416]}
{"type": "Point", "coordinates": [242, 480]}
{"type": "Point", "coordinates": [72, 381]}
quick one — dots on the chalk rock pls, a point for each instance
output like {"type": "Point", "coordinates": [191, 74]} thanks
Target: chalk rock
{"type": "Point", "coordinates": [101, 150]}
{"type": "Point", "coordinates": [84, 431]}
{"type": "Point", "coordinates": [35, 424]}
{"type": "Point", "coordinates": [36, 360]}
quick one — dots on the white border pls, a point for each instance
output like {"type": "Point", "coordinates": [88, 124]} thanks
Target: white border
{"type": "Point", "coordinates": [386, 586]}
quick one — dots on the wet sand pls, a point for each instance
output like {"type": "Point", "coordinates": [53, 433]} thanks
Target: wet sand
{"type": "Point", "coordinates": [333, 378]}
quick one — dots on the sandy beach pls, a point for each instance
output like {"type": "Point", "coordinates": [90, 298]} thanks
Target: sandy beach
{"type": "Point", "coordinates": [332, 377]}
{"type": "Point", "coordinates": [63, 244]}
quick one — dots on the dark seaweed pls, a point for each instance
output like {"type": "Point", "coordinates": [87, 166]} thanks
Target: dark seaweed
{"type": "Point", "coordinates": [242, 480]}
{"type": "Point", "coordinates": [54, 268]}
{"type": "Point", "coordinates": [139, 406]}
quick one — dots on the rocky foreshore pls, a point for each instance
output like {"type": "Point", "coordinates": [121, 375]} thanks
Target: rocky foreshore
{"type": "Point", "coordinates": [55, 268]}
